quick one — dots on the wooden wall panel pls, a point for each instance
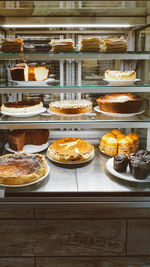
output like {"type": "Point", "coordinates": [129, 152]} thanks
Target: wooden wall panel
{"type": "Point", "coordinates": [93, 262]}
{"type": "Point", "coordinates": [124, 213]}
{"type": "Point", "coordinates": [20, 213]}
{"type": "Point", "coordinates": [138, 237]}
{"type": "Point", "coordinates": [17, 262]}
{"type": "Point", "coordinates": [62, 238]}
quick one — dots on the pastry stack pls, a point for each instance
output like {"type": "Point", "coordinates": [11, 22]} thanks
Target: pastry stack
{"type": "Point", "coordinates": [62, 45]}
{"type": "Point", "coordinates": [115, 142]}
{"type": "Point", "coordinates": [113, 45]}
{"type": "Point", "coordinates": [12, 45]}
{"type": "Point", "coordinates": [90, 44]}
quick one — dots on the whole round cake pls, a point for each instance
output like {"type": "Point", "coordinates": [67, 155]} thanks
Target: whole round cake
{"type": "Point", "coordinates": [21, 106]}
{"type": "Point", "coordinates": [71, 106]}
{"type": "Point", "coordinates": [22, 168]}
{"type": "Point", "coordinates": [129, 75]}
{"type": "Point", "coordinates": [70, 150]}
{"type": "Point", "coordinates": [120, 103]}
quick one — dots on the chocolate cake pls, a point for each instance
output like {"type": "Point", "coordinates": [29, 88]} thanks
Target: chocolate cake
{"type": "Point", "coordinates": [139, 168]}
{"type": "Point", "coordinates": [120, 103]}
{"type": "Point", "coordinates": [120, 163]}
{"type": "Point", "coordinates": [17, 139]}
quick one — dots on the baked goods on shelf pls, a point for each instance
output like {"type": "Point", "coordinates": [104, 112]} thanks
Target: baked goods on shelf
{"type": "Point", "coordinates": [71, 106]}
{"type": "Point", "coordinates": [139, 164]}
{"type": "Point", "coordinates": [12, 45]}
{"type": "Point", "coordinates": [120, 75]}
{"type": "Point", "coordinates": [113, 45]}
{"type": "Point", "coordinates": [22, 168]}
{"type": "Point", "coordinates": [120, 103]}
{"type": "Point", "coordinates": [21, 106]}
{"type": "Point", "coordinates": [91, 44]}
{"type": "Point", "coordinates": [115, 142]}
{"type": "Point", "coordinates": [121, 162]}
{"type": "Point", "coordinates": [24, 72]}
{"type": "Point", "coordinates": [71, 150]}
{"type": "Point", "coordinates": [17, 139]}
{"type": "Point", "coordinates": [62, 45]}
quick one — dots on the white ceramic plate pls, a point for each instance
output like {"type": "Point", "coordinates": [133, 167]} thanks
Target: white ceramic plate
{"type": "Point", "coordinates": [121, 83]}
{"type": "Point", "coordinates": [25, 114]}
{"type": "Point", "coordinates": [118, 114]}
{"type": "Point", "coordinates": [35, 182]}
{"type": "Point", "coordinates": [68, 115]}
{"type": "Point", "coordinates": [28, 148]}
{"type": "Point", "coordinates": [32, 83]}
{"type": "Point", "coordinates": [71, 163]}
{"type": "Point", "coordinates": [126, 175]}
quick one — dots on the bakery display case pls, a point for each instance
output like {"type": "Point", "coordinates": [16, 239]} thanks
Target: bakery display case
{"type": "Point", "coordinates": [60, 51]}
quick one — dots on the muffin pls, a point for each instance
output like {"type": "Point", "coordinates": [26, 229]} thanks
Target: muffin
{"type": "Point", "coordinates": [111, 146]}
{"type": "Point", "coordinates": [133, 148]}
{"type": "Point", "coordinates": [120, 163]}
{"type": "Point", "coordinates": [135, 139]}
{"type": "Point", "coordinates": [139, 168]}
{"type": "Point", "coordinates": [116, 132]}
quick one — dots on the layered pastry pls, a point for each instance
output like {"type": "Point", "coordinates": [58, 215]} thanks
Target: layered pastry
{"type": "Point", "coordinates": [17, 139]}
{"type": "Point", "coordinates": [71, 106]}
{"type": "Point", "coordinates": [62, 45]}
{"type": "Point", "coordinates": [21, 106]}
{"type": "Point", "coordinates": [90, 44]}
{"type": "Point", "coordinates": [12, 45]}
{"type": "Point", "coordinates": [120, 75]}
{"type": "Point", "coordinates": [22, 168]}
{"type": "Point", "coordinates": [115, 142]}
{"type": "Point", "coordinates": [24, 72]}
{"type": "Point", "coordinates": [120, 163]}
{"type": "Point", "coordinates": [113, 45]}
{"type": "Point", "coordinates": [71, 150]}
{"type": "Point", "coordinates": [120, 103]}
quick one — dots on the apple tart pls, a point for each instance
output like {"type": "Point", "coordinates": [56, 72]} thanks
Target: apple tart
{"type": "Point", "coordinates": [22, 168]}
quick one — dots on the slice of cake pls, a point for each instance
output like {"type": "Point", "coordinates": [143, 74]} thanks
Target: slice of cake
{"type": "Point", "coordinates": [38, 73]}
{"type": "Point", "coordinates": [17, 139]}
{"type": "Point", "coordinates": [19, 72]}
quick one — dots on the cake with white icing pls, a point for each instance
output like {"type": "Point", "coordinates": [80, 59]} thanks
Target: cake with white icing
{"type": "Point", "coordinates": [70, 106]}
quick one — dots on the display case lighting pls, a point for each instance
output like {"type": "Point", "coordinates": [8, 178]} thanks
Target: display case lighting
{"type": "Point", "coordinates": [67, 25]}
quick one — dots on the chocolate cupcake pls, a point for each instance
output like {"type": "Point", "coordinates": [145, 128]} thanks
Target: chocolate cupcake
{"type": "Point", "coordinates": [139, 168]}
{"type": "Point", "coordinates": [120, 163]}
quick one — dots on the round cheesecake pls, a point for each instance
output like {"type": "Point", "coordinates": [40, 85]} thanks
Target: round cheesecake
{"type": "Point", "coordinates": [21, 106]}
{"type": "Point", "coordinates": [22, 168]}
{"type": "Point", "coordinates": [120, 75]}
{"type": "Point", "coordinates": [120, 103]}
{"type": "Point", "coordinates": [70, 150]}
{"type": "Point", "coordinates": [71, 106]}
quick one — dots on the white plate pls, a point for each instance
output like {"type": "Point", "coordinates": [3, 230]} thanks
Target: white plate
{"type": "Point", "coordinates": [28, 148]}
{"type": "Point", "coordinates": [70, 163]}
{"type": "Point", "coordinates": [118, 114]}
{"type": "Point", "coordinates": [25, 114]}
{"type": "Point", "coordinates": [121, 83]}
{"type": "Point", "coordinates": [35, 182]}
{"type": "Point", "coordinates": [32, 83]}
{"type": "Point", "coordinates": [126, 175]}
{"type": "Point", "coordinates": [68, 115]}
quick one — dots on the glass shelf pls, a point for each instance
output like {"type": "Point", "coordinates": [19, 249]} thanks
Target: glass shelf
{"type": "Point", "coordinates": [89, 120]}
{"type": "Point", "coordinates": [92, 86]}
{"type": "Point", "coordinates": [76, 56]}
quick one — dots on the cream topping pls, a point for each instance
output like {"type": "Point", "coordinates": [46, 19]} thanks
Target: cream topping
{"type": "Point", "coordinates": [70, 104]}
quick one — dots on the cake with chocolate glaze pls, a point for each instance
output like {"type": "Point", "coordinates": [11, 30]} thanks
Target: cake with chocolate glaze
{"type": "Point", "coordinates": [17, 139]}
{"type": "Point", "coordinates": [120, 103]}
{"type": "Point", "coordinates": [21, 106]}
{"type": "Point", "coordinates": [71, 106]}
{"type": "Point", "coordinates": [22, 168]}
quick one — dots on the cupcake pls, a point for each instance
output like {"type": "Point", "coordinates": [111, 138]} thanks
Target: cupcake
{"type": "Point", "coordinates": [120, 163]}
{"type": "Point", "coordinates": [135, 139]}
{"type": "Point", "coordinates": [133, 148]}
